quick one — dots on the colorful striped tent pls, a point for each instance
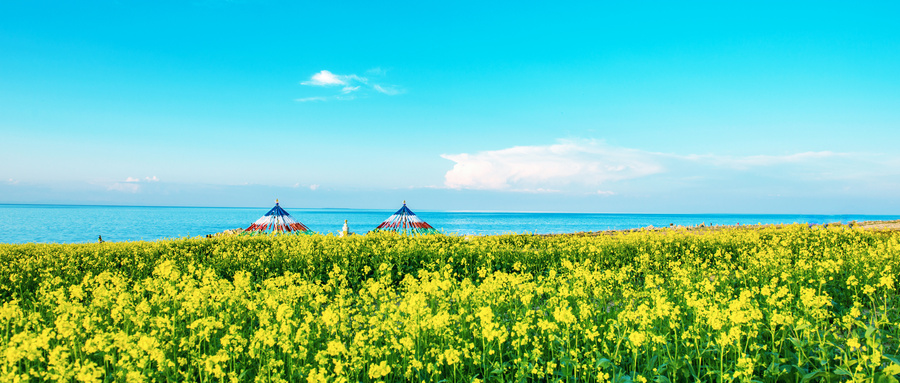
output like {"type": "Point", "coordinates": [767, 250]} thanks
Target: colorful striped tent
{"type": "Point", "coordinates": [277, 221]}
{"type": "Point", "coordinates": [405, 221]}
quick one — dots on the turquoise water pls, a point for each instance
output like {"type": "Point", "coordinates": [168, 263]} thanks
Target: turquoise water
{"type": "Point", "coordinates": [78, 224]}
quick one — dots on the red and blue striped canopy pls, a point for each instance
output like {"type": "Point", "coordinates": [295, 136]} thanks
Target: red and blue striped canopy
{"type": "Point", "coordinates": [277, 221]}
{"type": "Point", "coordinates": [405, 221]}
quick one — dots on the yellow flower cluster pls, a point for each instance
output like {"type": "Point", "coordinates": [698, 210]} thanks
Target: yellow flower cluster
{"type": "Point", "coordinates": [775, 304]}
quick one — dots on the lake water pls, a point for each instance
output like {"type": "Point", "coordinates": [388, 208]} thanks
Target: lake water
{"type": "Point", "coordinates": [79, 224]}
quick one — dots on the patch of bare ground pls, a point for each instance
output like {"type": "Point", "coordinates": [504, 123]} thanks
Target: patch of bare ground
{"type": "Point", "coordinates": [881, 225]}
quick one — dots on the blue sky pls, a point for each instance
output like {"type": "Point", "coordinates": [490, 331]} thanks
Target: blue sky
{"type": "Point", "coordinates": [694, 107]}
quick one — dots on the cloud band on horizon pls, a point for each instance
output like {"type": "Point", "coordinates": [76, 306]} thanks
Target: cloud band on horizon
{"type": "Point", "coordinates": [581, 166]}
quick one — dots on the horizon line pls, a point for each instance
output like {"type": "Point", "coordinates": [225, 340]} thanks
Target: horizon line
{"type": "Point", "coordinates": [449, 211]}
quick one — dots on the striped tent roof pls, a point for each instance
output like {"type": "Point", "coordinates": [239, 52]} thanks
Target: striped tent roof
{"type": "Point", "coordinates": [277, 220]}
{"type": "Point", "coordinates": [405, 221]}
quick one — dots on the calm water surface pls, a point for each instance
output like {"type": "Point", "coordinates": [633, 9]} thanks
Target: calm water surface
{"type": "Point", "coordinates": [78, 224]}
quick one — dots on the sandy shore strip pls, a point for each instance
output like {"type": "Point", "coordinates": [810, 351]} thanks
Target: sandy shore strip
{"type": "Point", "coordinates": [881, 225]}
{"type": "Point", "coordinates": [870, 225]}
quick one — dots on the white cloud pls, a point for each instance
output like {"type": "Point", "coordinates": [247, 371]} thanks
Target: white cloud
{"type": "Point", "coordinates": [530, 168]}
{"type": "Point", "coordinates": [581, 165]}
{"type": "Point", "coordinates": [326, 78]}
{"type": "Point", "coordinates": [132, 179]}
{"type": "Point", "coordinates": [348, 89]}
{"type": "Point", "coordinates": [151, 179]}
{"type": "Point", "coordinates": [12, 181]}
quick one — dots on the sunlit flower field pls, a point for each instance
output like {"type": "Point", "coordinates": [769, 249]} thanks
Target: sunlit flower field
{"type": "Point", "coordinates": [777, 304]}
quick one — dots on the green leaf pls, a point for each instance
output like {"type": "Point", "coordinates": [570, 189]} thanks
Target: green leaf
{"type": "Point", "coordinates": [841, 371]}
{"type": "Point", "coordinates": [798, 343]}
{"type": "Point", "coordinates": [661, 379]}
{"type": "Point", "coordinates": [869, 331]}
{"type": "Point", "coordinates": [892, 359]}
{"type": "Point", "coordinates": [604, 363]}
{"type": "Point", "coordinates": [790, 376]}
{"type": "Point", "coordinates": [661, 369]}
{"type": "Point", "coordinates": [689, 372]}
{"type": "Point", "coordinates": [815, 374]}
{"type": "Point", "coordinates": [893, 369]}
{"type": "Point", "coordinates": [886, 379]}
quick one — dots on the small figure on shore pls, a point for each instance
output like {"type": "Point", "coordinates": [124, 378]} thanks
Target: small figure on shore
{"type": "Point", "coordinates": [99, 239]}
{"type": "Point", "coordinates": [345, 231]}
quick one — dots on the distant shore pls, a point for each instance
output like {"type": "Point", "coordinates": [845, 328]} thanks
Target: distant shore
{"type": "Point", "coordinates": [881, 225]}
{"type": "Point", "coordinates": [892, 225]}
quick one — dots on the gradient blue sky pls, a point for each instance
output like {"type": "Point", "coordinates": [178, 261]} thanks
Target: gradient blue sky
{"type": "Point", "coordinates": [691, 107]}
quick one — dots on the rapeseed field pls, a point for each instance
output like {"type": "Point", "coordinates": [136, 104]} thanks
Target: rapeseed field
{"type": "Point", "coordinates": [776, 304]}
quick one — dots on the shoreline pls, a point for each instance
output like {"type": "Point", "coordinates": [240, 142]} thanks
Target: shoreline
{"type": "Point", "coordinates": [885, 226]}
{"type": "Point", "coordinates": [889, 226]}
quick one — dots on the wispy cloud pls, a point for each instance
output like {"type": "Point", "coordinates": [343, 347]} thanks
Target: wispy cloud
{"type": "Point", "coordinates": [127, 187]}
{"type": "Point", "coordinates": [582, 165]}
{"type": "Point", "coordinates": [764, 160]}
{"type": "Point", "coordinates": [131, 184]}
{"type": "Point", "coordinates": [350, 85]}
{"type": "Point", "coordinates": [390, 91]}
{"type": "Point", "coordinates": [312, 187]}
{"type": "Point", "coordinates": [309, 99]}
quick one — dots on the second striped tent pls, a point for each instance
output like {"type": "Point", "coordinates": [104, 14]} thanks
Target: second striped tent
{"type": "Point", "coordinates": [406, 222]}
